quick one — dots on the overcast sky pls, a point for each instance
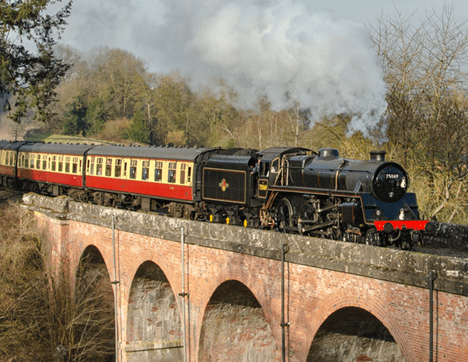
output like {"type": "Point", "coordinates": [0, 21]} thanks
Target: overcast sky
{"type": "Point", "coordinates": [317, 56]}
{"type": "Point", "coordinates": [133, 24]}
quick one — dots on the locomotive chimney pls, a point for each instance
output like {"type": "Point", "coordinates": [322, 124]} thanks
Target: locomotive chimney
{"type": "Point", "coordinates": [377, 156]}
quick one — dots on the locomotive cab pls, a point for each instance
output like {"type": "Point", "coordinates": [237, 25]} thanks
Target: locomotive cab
{"type": "Point", "coordinates": [275, 163]}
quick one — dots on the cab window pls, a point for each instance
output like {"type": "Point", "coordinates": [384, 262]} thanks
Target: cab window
{"type": "Point", "coordinates": [275, 165]}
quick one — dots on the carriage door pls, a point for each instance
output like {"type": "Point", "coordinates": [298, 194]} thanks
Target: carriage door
{"type": "Point", "coordinates": [49, 167]}
{"type": "Point", "coordinates": [125, 172]}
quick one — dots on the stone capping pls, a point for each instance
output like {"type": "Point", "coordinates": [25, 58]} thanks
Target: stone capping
{"type": "Point", "coordinates": [409, 268]}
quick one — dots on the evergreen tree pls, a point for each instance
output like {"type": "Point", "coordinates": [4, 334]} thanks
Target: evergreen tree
{"type": "Point", "coordinates": [95, 115]}
{"type": "Point", "coordinates": [138, 131]}
{"type": "Point", "coordinates": [74, 123]}
{"type": "Point", "coordinates": [30, 76]}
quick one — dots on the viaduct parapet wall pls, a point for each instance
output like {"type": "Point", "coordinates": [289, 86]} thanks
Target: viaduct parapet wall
{"type": "Point", "coordinates": [322, 278]}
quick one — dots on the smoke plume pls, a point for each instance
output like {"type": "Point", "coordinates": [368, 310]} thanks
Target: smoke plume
{"type": "Point", "coordinates": [274, 48]}
{"type": "Point", "coordinates": [277, 49]}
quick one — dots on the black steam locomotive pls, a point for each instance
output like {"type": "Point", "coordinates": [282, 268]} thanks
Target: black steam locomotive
{"type": "Point", "coordinates": [287, 189]}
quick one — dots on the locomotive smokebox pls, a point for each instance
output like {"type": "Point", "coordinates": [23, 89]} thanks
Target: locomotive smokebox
{"type": "Point", "coordinates": [377, 156]}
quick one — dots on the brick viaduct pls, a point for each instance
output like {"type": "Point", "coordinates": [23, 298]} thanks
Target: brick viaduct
{"type": "Point", "coordinates": [233, 284]}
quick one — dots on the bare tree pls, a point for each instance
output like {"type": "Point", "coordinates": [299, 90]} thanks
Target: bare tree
{"type": "Point", "coordinates": [44, 315]}
{"type": "Point", "coordinates": [426, 72]}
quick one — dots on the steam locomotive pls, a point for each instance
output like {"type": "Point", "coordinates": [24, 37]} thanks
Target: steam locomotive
{"type": "Point", "coordinates": [288, 189]}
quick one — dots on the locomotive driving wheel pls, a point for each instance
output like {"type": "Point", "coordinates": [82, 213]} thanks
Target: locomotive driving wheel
{"type": "Point", "coordinates": [373, 237]}
{"type": "Point", "coordinates": [284, 214]}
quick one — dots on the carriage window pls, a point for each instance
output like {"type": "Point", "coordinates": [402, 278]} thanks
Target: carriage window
{"type": "Point", "coordinates": [12, 159]}
{"type": "Point", "coordinates": [75, 165]}
{"type": "Point", "coordinates": [183, 166]}
{"type": "Point", "coordinates": [108, 166]}
{"type": "Point", "coordinates": [32, 161]}
{"type": "Point", "coordinates": [67, 164]}
{"type": "Point", "coordinates": [38, 162]}
{"type": "Point", "coordinates": [99, 166]}
{"type": "Point", "coordinates": [189, 176]}
{"type": "Point", "coordinates": [54, 162]}
{"type": "Point", "coordinates": [118, 168]}
{"type": "Point", "coordinates": [44, 162]}
{"type": "Point", "coordinates": [60, 164]}
{"type": "Point", "coordinates": [158, 171]}
{"type": "Point", "coordinates": [91, 166]}
{"type": "Point", "coordinates": [22, 163]}
{"type": "Point", "coordinates": [133, 168]}
{"type": "Point", "coordinates": [5, 160]}
{"type": "Point", "coordinates": [145, 170]}
{"type": "Point", "coordinates": [171, 177]}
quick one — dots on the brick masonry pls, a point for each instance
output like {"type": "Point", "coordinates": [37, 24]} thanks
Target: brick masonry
{"type": "Point", "coordinates": [322, 277]}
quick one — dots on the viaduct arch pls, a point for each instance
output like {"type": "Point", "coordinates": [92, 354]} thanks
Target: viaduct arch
{"type": "Point", "coordinates": [322, 279]}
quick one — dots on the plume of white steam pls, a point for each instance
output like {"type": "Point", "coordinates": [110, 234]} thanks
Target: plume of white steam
{"type": "Point", "coordinates": [277, 49]}
{"type": "Point", "coordinates": [273, 48]}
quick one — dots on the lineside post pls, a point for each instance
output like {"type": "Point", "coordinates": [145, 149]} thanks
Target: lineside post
{"type": "Point", "coordinates": [284, 250]}
{"type": "Point", "coordinates": [432, 277]}
{"type": "Point", "coordinates": [115, 282]}
{"type": "Point", "coordinates": [183, 294]}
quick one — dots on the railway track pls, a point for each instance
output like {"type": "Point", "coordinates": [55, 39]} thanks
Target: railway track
{"type": "Point", "coordinates": [449, 239]}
